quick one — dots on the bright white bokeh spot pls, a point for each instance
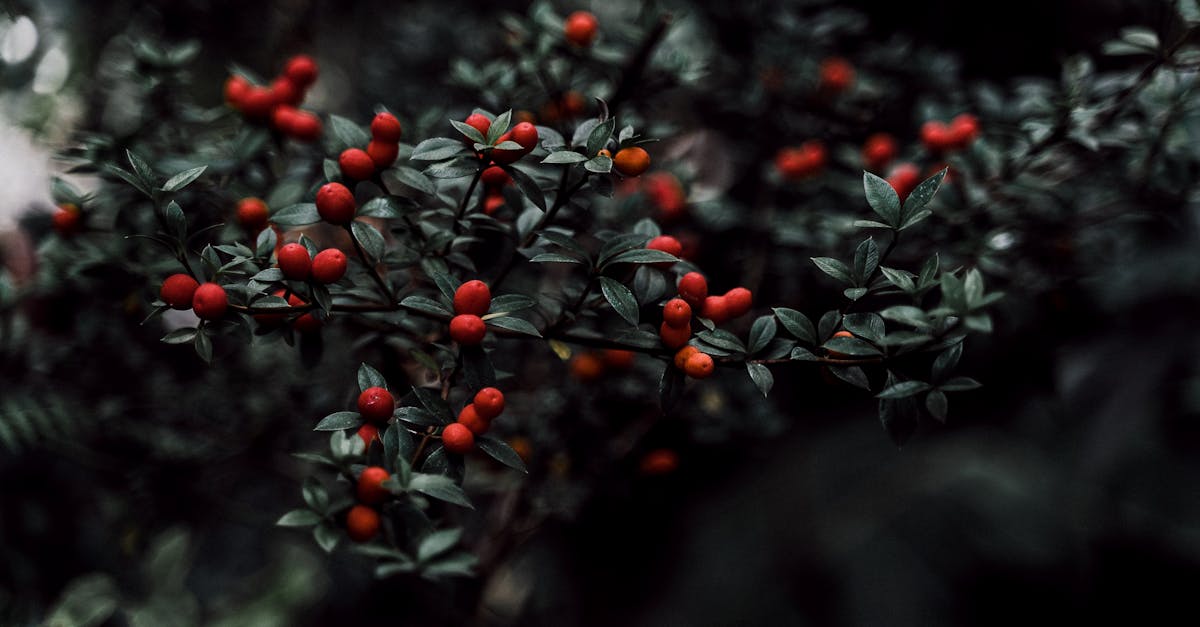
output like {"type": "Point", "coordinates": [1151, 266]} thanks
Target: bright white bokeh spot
{"type": "Point", "coordinates": [52, 72]}
{"type": "Point", "coordinates": [1002, 240]}
{"type": "Point", "coordinates": [19, 41]}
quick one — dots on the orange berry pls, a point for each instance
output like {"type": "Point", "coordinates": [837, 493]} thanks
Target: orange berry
{"type": "Point", "coordinates": [457, 438]}
{"type": "Point", "coordinates": [362, 523]}
{"type": "Point", "coordinates": [716, 308]}
{"type": "Point", "coordinates": [586, 367]}
{"type": "Point", "coordinates": [467, 329]}
{"type": "Point", "coordinates": [473, 297]}
{"type": "Point", "coordinates": [370, 488]}
{"type": "Point", "coordinates": [489, 403]}
{"type": "Point", "coordinates": [619, 359]}
{"type": "Point", "coordinates": [699, 366]}
{"type": "Point", "coordinates": [632, 161]}
{"type": "Point", "coordinates": [843, 334]}
{"type": "Point", "coordinates": [580, 28]}
{"type": "Point", "coordinates": [683, 354]}
{"type": "Point", "coordinates": [376, 404]}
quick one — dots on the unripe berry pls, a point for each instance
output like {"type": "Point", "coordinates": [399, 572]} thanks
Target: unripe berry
{"type": "Point", "coordinates": [580, 28]}
{"type": "Point", "coordinates": [469, 417]}
{"type": "Point", "coordinates": [693, 288]}
{"type": "Point", "coordinates": [210, 301]}
{"type": "Point", "coordinates": [495, 176]}
{"type": "Point", "coordinates": [294, 261]}
{"type": "Point", "coordinates": [667, 244]}
{"type": "Point", "coordinates": [356, 164]}
{"type": "Point", "coordinates": [467, 329]}
{"type": "Point", "coordinates": [252, 214]}
{"type": "Point", "coordinates": [904, 179]}
{"type": "Point", "coordinates": [878, 151]}
{"type": "Point", "coordinates": [457, 438]}
{"type": "Point", "coordinates": [257, 103]}
{"type": "Point", "coordinates": [178, 290]}
{"type": "Point", "coordinates": [683, 354]}
{"type": "Point", "coordinates": [674, 337]}
{"type": "Point", "coordinates": [631, 161]}
{"type": "Point", "coordinates": [376, 404]}
{"type": "Point", "coordinates": [370, 488]}
{"type": "Point", "coordinates": [301, 70]}
{"type": "Point", "coordinates": [699, 366]}
{"type": "Point", "coordinates": [739, 300]}
{"type": "Point", "coordinates": [666, 193]}
{"type": "Point", "coordinates": [335, 203]}
{"type": "Point", "coordinates": [716, 308]}
{"type": "Point", "coordinates": [618, 358]}
{"type": "Point", "coordinates": [473, 297]}
{"type": "Point", "coordinates": [677, 313]}
{"type": "Point", "coordinates": [362, 523]}
{"type": "Point", "coordinates": [659, 462]}
{"type": "Point", "coordinates": [936, 136]}
{"type": "Point", "coordinates": [236, 87]}
{"type": "Point", "coordinates": [836, 74]}
{"type": "Point", "coordinates": [305, 126]}
{"type": "Point", "coordinates": [586, 367]}
{"type": "Point", "coordinates": [489, 402]}
{"type": "Point", "coordinates": [285, 92]}
{"type": "Point", "coordinates": [329, 266]}
{"type": "Point", "coordinates": [66, 219]}
{"type": "Point", "coordinates": [383, 153]}
{"type": "Point", "coordinates": [480, 122]}
{"type": "Point", "coordinates": [386, 128]}
{"type": "Point", "coordinates": [369, 433]}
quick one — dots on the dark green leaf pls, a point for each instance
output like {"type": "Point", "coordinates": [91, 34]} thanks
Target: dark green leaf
{"type": "Point", "coordinates": [882, 198]}
{"type": "Point", "coordinates": [600, 136]}
{"type": "Point", "coordinates": [564, 157]}
{"type": "Point", "coordinates": [203, 346]}
{"type": "Point", "coordinates": [436, 149]}
{"type": "Point", "coordinates": [410, 178]}
{"type": "Point", "coordinates": [852, 375]}
{"type": "Point", "coordinates": [500, 451]}
{"type": "Point", "coordinates": [904, 389]}
{"type": "Point", "coordinates": [434, 403]}
{"type": "Point", "coordinates": [439, 487]}
{"type": "Point", "coordinates": [960, 384]}
{"type": "Point", "coordinates": [348, 134]}
{"type": "Point", "coordinates": [797, 324]}
{"type": "Point", "coordinates": [428, 305]}
{"type": "Point", "coordinates": [499, 127]}
{"type": "Point", "coordinates": [761, 376]}
{"type": "Point", "coordinates": [369, 377]}
{"type": "Point", "coordinates": [761, 333]}
{"type": "Point", "coordinates": [922, 195]}
{"type": "Point", "coordinates": [945, 362]}
{"type": "Point", "coordinates": [937, 404]}
{"type": "Point", "coordinates": [509, 303]}
{"type": "Point", "coordinates": [621, 299]}
{"type": "Point", "coordinates": [299, 518]}
{"type": "Point", "coordinates": [514, 324]}
{"type": "Point", "coordinates": [835, 269]}
{"type": "Point", "coordinates": [339, 420]}
{"type": "Point", "coordinates": [381, 207]}
{"type": "Point", "coordinates": [184, 335]}
{"type": "Point", "coordinates": [599, 164]}
{"type": "Point", "coordinates": [296, 215]}
{"type": "Point", "coordinates": [370, 239]}
{"type": "Point", "coordinates": [453, 169]}
{"type": "Point", "coordinates": [437, 543]}
{"type": "Point", "coordinates": [183, 179]}
{"type": "Point", "coordinates": [866, 259]}
{"type": "Point", "coordinates": [642, 255]}
{"type": "Point", "coordinates": [851, 346]}
{"type": "Point", "coordinates": [528, 187]}
{"type": "Point", "coordinates": [868, 326]}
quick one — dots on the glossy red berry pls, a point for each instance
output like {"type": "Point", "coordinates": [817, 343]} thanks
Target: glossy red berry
{"type": "Point", "coordinates": [667, 244]}
{"type": "Point", "coordinates": [683, 354]}
{"type": "Point", "coordinates": [253, 214]}
{"type": "Point", "coordinates": [467, 329]}
{"type": "Point", "coordinates": [479, 122]}
{"type": "Point", "coordinates": [370, 488]}
{"type": "Point", "coordinates": [457, 438]}
{"type": "Point", "coordinates": [257, 102]}
{"type": "Point", "coordinates": [383, 153]}
{"type": "Point", "coordinates": [674, 337]}
{"type": "Point", "coordinates": [473, 297]}
{"type": "Point", "coordinates": [305, 126]}
{"type": "Point", "coordinates": [362, 523]}
{"type": "Point", "coordinates": [580, 28]}
{"type": "Point", "coordinates": [236, 87]}
{"type": "Point", "coordinates": [739, 300]}
{"type": "Point", "coordinates": [369, 433]}
{"type": "Point", "coordinates": [294, 261]}
{"type": "Point", "coordinates": [489, 402]}
{"type": "Point", "coordinates": [335, 203]}
{"type": "Point", "coordinates": [301, 70]}
{"type": "Point", "coordinates": [178, 290]}
{"type": "Point", "coordinates": [677, 312]}
{"type": "Point", "coordinates": [495, 176]}
{"type": "Point", "coordinates": [964, 129]}
{"type": "Point", "coordinates": [285, 92]}
{"type": "Point", "coordinates": [385, 127]}
{"type": "Point", "coordinates": [693, 288]}
{"type": "Point", "coordinates": [715, 308]}
{"type": "Point", "coordinates": [356, 164]}
{"type": "Point", "coordinates": [376, 404]}
{"type": "Point", "coordinates": [699, 366]}
{"type": "Point", "coordinates": [210, 301]}
{"type": "Point", "coordinates": [469, 417]}
{"type": "Point", "coordinates": [524, 134]}
{"type": "Point", "coordinates": [329, 266]}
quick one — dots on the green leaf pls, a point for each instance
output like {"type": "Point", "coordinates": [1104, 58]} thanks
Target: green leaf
{"type": "Point", "coordinates": [439, 487]}
{"type": "Point", "coordinates": [381, 207]}
{"type": "Point", "coordinates": [883, 198]}
{"type": "Point", "coordinates": [265, 244]}
{"type": "Point", "coordinates": [797, 324]}
{"type": "Point", "coordinates": [835, 269]}
{"type": "Point", "coordinates": [915, 218]}
{"type": "Point", "coordinates": [761, 376]}
{"type": "Point", "coordinates": [128, 177]}
{"type": "Point", "coordinates": [921, 197]}
{"type": "Point", "coordinates": [904, 389]}
{"type": "Point", "coordinates": [418, 416]}
{"type": "Point", "coordinates": [477, 368]}
{"type": "Point", "coordinates": [866, 259]}
{"type": "Point", "coordinates": [960, 384]}
{"type": "Point", "coordinates": [434, 403]}
{"type": "Point", "coordinates": [500, 451]}
{"type": "Point", "coordinates": [428, 305]}
{"type": "Point", "coordinates": [509, 303]}
{"type": "Point", "coordinates": [828, 322]}
{"type": "Point", "coordinates": [437, 149]}
{"type": "Point", "coordinates": [315, 495]}
{"type": "Point", "coordinates": [937, 404]}
{"type": "Point", "coordinates": [900, 279]}
{"type": "Point", "coordinates": [370, 239]}
{"type": "Point", "coordinates": [184, 335]}
{"type": "Point", "coordinates": [600, 136]}
{"type": "Point", "coordinates": [621, 243]}
{"type": "Point", "coordinates": [437, 543]}
{"type": "Point", "coordinates": [470, 132]}
{"type": "Point", "coordinates": [327, 536]}
{"type": "Point", "coordinates": [348, 134]}
{"type": "Point", "coordinates": [369, 377]}
{"type": "Point", "coordinates": [599, 164]}
{"type": "Point", "coordinates": [144, 172]}
{"type": "Point", "coordinates": [851, 346]}
{"type": "Point", "coordinates": [907, 314]}
{"type": "Point", "coordinates": [514, 324]}
{"type": "Point", "coordinates": [410, 178]}
{"type": "Point", "coordinates": [803, 354]}
{"type": "Point", "coordinates": [670, 388]}
{"type": "Point", "coordinates": [868, 326]}
{"type": "Point", "coordinates": [339, 420]}
{"type": "Point", "coordinates": [564, 157]}
{"type": "Point", "coordinates": [296, 215]}
{"type": "Point", "coordinates": [554, 258]}
{"type": "Point", "coordinates": [621, 299]}
{"type": "Point", "coordinates": [173, 215]}
{"type": "Point", "coordinates": [203, 346]}
{"type": "Point", "coordinates": [453, 169]}
{"type": "Point", "coordinates": [642, 255]}
{"type": "Point", "coordinates": [528, 187]}
{"type": "Point", "coordinates": [852, 375]}
{"type": "Point", "coordinates": [499, 127]}
{"type": "Point", "coordinates": [722, 339]}
{"type": "Point", "coordinates": [183, 179]}
{"type": "Point", "coordinates": [761, 333]}
{"type": "Point", "coordinates": [946, 362]}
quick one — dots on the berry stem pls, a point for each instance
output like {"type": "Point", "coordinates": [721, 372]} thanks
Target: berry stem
{"type": "Point", "coordinates": [362, 256]}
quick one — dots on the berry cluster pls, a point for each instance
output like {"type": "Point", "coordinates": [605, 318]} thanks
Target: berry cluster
{"type": "Point", "coordinates": [471, 302]}
{"type": "Point", "coordinates": [797, 163]}
{"type": "Point", "coordinates": [358, 164]}
{"type": "Point", "coordinates": [296, 264]}
{"type": "Point", "coordinates": [940, 137]}
{"type": "Point", "coordinates": [494, 179]}
{"type": "Point", "coordinates": [277, 104]}
{"type": "Point", "coordinates": [524, 134]}
{"type": "Point", "coordinates": [474, 419]}
{"type": "Point", "coordinates": [180, 291]}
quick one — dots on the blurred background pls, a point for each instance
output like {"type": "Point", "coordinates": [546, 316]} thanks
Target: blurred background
{"type": "Point", "coordinates": [1064, 490]}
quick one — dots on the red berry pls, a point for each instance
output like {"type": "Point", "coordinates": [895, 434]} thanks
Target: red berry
{"type": "Point", "coordinates": [294, 261]}
{"type": "Point", "coordinates": [580, 28]}
{"type": "Point", "coordinates": [674, 337]}
{"type": "Point", "coordinates": [472, 297]}
{"type": "Point", "coordinates": [524, 134]}
{"type": "Point", "coordinates": [666, 193]}
{"type": "Point", "coordinates": [469, 417]}
{"type": "Point", "coordinates": [495, 176]}
{"type": "Point", "coordinates": [308, 323]}
{"type": "Point", "coordinates": [489, 402]}
{"type": "Point", "coordinates": [667, 244]}
{"type": "Point", "coordinates": [329, 266]}
{"type": "Point", "coordinates": [370, 488]}
{"type": "Point", "coordinates": [178, 290]}
{"type": "Point", "coordinates": [369, 433]}
{"type": "Point", "coordinates": [285, 92]}
{"type": "Point", "coordinates": [716, 308]}
{"type": "Point", "coordinates": [693, 288]}
{"type": "Point", "coordinates": [252, 214]}
{"type": "Point", "coordinates": [66, 219]}
{"type": "Point", "coordinates": [699, 366]}
{"type": "Point", "coordinates": [586, 367]}
{"type": "Point", "coordinates": [964, 129]}
{"type": "Point", "coordinates": [301, 70]}
{"type": "Point", "coordinates": [335, 203]}
{"type": "Point", "coordinates": [738, 300]}
{"type": "Point", "coordinates": [878, 151]}
{"type": "Point", "coordinates": [493, 202]}
{"type": "Point", "coordinates": [236, 87]}
{"type": "Point", "coordinates": [480, 122]}
{"type": "Point", "coordinates": [305, 126]}
{"type": "Point", "coordinates": [283, 118]}
{"type": "Point", "coordinates": [677, 312]}
{"type": "Point", "coordinates": [257, 102]}
{"type": "Point", "coordinates": [386, 128]}
{"type": "Point", "coordinates": [457, 438]}
{"type": "Point", "coordinates": [659, 462]}
{"type": "Point", "coordinates": [362, 523]}
{"type": "Point", "coordinates": [376, 404]}
{"type": "Point", "coordinates": [383, 153]}
{"type": "Point", "coordinates": [904, 179]}
{"type": "Point", "coordinates": [802, 162]}
{"type": "Point", "coordinates": [836, 74]}
{"type": "Point", "coordinates": [467, 329]}
{"type": "Point", "coordinates": [619, 358]}
{"type": "Point", "coordinates": [356, 164]}
{"type": "Point", "coordinates": [631, 161]}
{"type": "Point", "coordinates": [210, 301]}
{"type": "Point", "coordinates": [936, 136]}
